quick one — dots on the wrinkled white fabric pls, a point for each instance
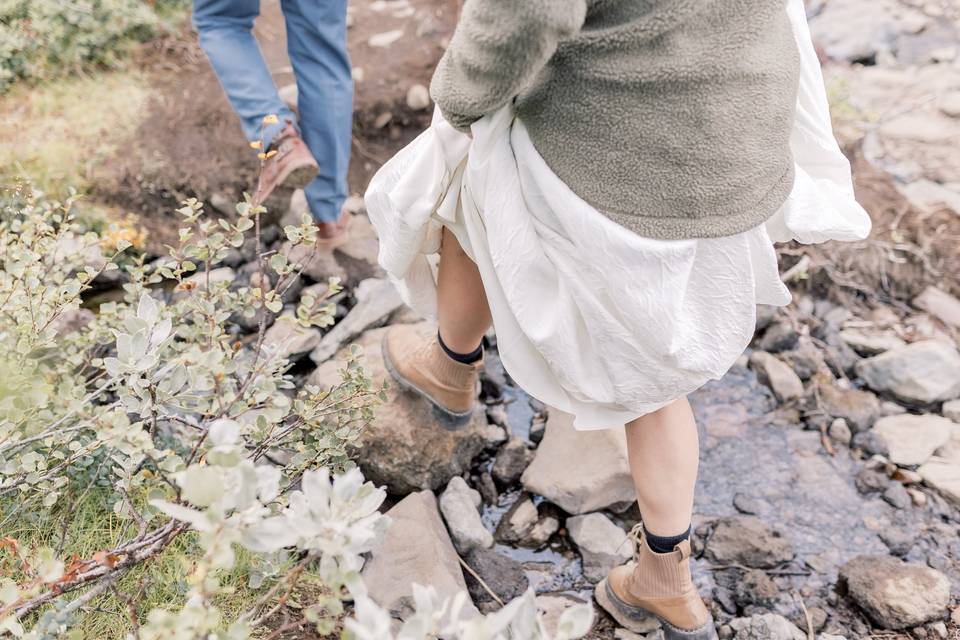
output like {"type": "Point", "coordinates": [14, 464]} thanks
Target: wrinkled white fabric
{"type": "Point", "coordinates": [591, 318]}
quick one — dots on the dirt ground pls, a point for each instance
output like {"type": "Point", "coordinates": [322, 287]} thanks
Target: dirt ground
{"type": "Point", "coordinates": [190, 143]}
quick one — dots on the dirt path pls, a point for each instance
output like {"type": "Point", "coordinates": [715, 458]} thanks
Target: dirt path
{"type": "Point", "coordinates": [189, 143]}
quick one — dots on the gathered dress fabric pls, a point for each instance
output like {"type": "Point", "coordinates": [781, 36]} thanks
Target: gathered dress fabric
{"type": "Point", "coordinates": [591, 318]}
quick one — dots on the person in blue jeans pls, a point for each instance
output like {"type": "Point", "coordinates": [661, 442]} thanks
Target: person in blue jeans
{"type": "Point", "coordinates": [313, 152]}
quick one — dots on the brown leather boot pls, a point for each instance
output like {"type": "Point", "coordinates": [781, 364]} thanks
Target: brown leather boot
{"type": "Point", "coordinates": [419, 364]}
{"type": "Point", "coordinates": [657, 584]}
{"type": "Point", "coordinates": [331, 235]}
{"type": "Point", "coordinates": [292, 167]}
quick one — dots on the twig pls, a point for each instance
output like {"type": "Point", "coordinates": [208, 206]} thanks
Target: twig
{"type": "Point", "coordinates": [807, 618]}
{"type": "Point", "coordinates": [483, 584]}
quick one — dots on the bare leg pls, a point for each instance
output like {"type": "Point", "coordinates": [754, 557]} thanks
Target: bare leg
{"type": "Point", "coordinates": [461, 301]}
{"type": "Point", "coordinates": [663, 448]}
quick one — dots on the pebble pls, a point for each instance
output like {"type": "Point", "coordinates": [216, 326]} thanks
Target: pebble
{"type": "Point", "coordinates": [511, 461]}
{"type": "Point", "coordinates": [896, 496]}
{"type": "Point", "coordinates": [517, 522]}
{"type": "Point", "coordinates": [460, 506]}
{"type": "Point", "coordinates": [840, 431]}
{"type": "Point", "coordinates": [779, 337]}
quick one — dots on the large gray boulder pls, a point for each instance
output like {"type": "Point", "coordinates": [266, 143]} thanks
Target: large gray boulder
{"type": "Point", "coordinates": [894, 594]}
{"type": "Point", "coordinates": [415, 550]}
{"type": "Point", "coordinates": [921, 373]}
{"type": "Point", "coordinates": [911, 439]}
{"type": "Point", "coordinates": [575, 482]}
{"type": "Point", "coordinates": [404, 448]}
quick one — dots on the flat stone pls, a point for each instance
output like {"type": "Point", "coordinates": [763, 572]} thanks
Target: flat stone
{"type": "Point", "coordinates": [749, 541]}
{"type": "Point", "coordinates": [415, 550]}
{"type": "Point", "coordinates": [460, 506]}
{"type": "Point", "coordinates": [404, 447]}
{"type": "Point", "coordinates": [776, 374]}
{"type": "Point", "coordinates": [289, 339]}
{"type": "Point", "coordinates": [512, 460]}
{"type": "Point", "coordinates": [870, 344]}
{"type": "Point", "coordinates": [928, 195]}
{"type": "Point", "coordinates": [911, 439]}
{"type": "Point", "coordinates": [859, 408]}
{"type": "Point", "coordinates": [766, 626]}
{"type": "Point", "coordinates": [939, 304]}
{"type": "Point", "coordinates": [602, 544]}
{"type": "Point", "coordinates": [376, 300]}
{"type": "Point", "coordinates": [894, 594]}
{"type": "Point", "coordinates": [944, 476]}
{"type": "Point", "coordinates": [578, 484]}
{"type": "Point", "coordinates": [921, 373]}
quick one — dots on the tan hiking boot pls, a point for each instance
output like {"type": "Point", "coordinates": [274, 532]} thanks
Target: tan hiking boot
{"type": "Point", "coordinates": [419, 364]}
{"type": "Point", "coordinates": [331, 235]}
{"type": "Point", "coordinates": [292, 167]}
{"type": "Point", "coordinates": [657, 584]}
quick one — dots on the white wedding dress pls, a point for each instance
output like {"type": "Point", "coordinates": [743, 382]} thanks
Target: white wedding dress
{"type": "Point", "coordinates": [591, 318]}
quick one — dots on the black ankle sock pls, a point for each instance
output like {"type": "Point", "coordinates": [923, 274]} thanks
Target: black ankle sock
{"type": "Point", "coordinates": [465, 358]}
{"type": "Point", "coordinates": [665, 544]}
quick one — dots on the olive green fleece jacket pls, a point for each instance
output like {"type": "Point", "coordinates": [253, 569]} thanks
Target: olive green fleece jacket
{"type": "Point", "coordinates": [671, 117]}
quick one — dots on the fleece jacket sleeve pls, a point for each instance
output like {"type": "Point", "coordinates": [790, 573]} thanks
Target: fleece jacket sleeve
{"type": "Point", "coordinates": [497, 49]}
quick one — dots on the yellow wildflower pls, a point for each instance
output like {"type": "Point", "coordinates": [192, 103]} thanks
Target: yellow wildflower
{"type": "Point", "coordinates": [256, 144]}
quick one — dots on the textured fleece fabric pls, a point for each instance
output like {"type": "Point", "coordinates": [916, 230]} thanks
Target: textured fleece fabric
{"type": "Point", "coordinates": [671, 117]}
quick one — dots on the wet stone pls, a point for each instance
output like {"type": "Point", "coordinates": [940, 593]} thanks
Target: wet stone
{"type": "Point", "coordinates": [502, 574]}
{"type": "Point", "coordinates": [840, 431]}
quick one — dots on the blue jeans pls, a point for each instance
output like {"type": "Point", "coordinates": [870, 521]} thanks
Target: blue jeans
{"type": "Point", "coordinates": [317, 46]}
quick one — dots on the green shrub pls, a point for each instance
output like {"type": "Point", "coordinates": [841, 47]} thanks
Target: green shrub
{"type": "Point", "coordinates": [46, 38]}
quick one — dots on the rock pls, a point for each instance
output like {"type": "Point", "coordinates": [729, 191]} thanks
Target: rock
{"type": "Point", "coordinates": [541, 532]}
{"type": "Point", "coordinates": [774, 373]}
{"type": "Point", "coordinates": [859, 408]}
{"type": "Point", "coordinates": [748, 504]}
{"type": "Point", "coordinates": [415, 549]}
{"type": "Point", "coordinates": [317, 265]}
{"type": "Point", "coordinates": [897, 540]}
{"type": "Point", "coordinates": [779, 337]}
{"type": "Point", "coordinates": [806, 360]}
{"type": "Point", "coordinates": [944, 476]}
{"type": "Point", "coordinates": [870, 344]}
{"type": "Point", "coordinates": [766, 314]}
{"type": "Point", "coordinates": [289, 339]}
{"type": "Point", "coordinates": [72, 320]}
{"type": "Point", "coordinates": [418, 97]}
{"type": "Point", "coordinates": [896, 496]}
{"type": "Point", "coordinates": [511, 462]}
{"type": "Point", "coordinates": [840, 431]}
{"type": "Point", "coordinates": [870, 442]}
{"type": "Point", "coordinates": [518, 521]}
{"type": "Point", "coordinates": [602, 544]}
{"type": "Point", "coordinates": [766, 626]}
{"type": "Point", "coordinates": [595, 482]}
{"type": "Point", "coordinates": [460, 506]}
{"type": "Point", "coordinates": [871, 481]}
{"type": "Point", "coordinates": [358, 255]}
{"type": "Point", "coordinates": [551, 606]}
{"type": "Point", "coordinates": [749, 541]}
{"type": "Point", "coordinates": [502, 574]}
{"type": "Point", "coordinates": [951, 410]}
{"type": "Point", "coordinates": [199, 280]}
{"type": "Point", "coordinates": [894, 594]}
{"type": "Point", "coordinates": [755, 587]}
{"type": "Point", "coordinates": [939, 304]}
{"type": "Point", "coordinates": [376, 300]}
{"type": "Point", "coordinates": [404, 448]}
{"type": "Point", "coordinates": [920, 373]}
{"type": "Point", "coordinates": [911, 439]}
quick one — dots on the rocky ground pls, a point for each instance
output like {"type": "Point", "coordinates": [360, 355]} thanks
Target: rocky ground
{"type": "Point", "coordinates": [829, 496]}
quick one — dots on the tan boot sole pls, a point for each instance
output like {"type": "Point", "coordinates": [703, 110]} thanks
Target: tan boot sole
{"type": "Point", "coordinates": [449, 420]}
{"type": "Point", "coordinates": [637, 619]}
{"type": "Point", "coordinates": [287, 183]}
